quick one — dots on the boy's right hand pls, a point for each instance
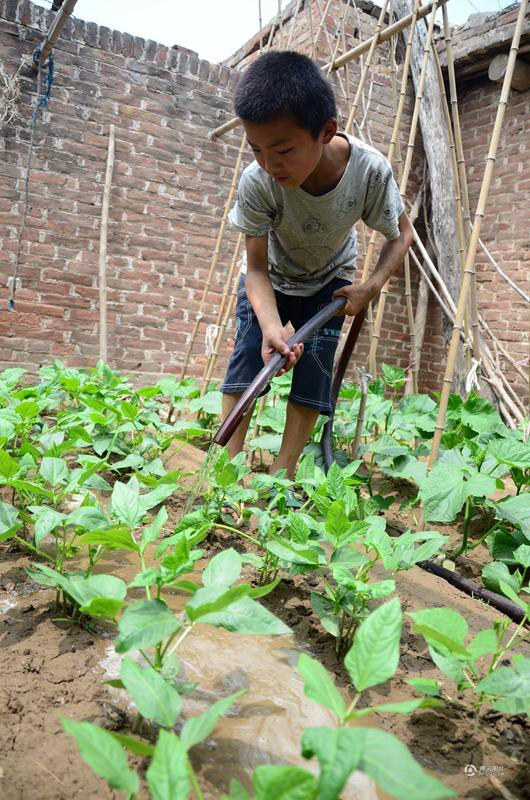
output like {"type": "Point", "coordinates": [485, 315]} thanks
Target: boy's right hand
{"type": "Point", "coordinates": [275, 341]}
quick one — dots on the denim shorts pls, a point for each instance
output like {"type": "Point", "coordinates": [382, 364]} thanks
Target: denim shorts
{"type": "Point", "coordinates": [312, 374]}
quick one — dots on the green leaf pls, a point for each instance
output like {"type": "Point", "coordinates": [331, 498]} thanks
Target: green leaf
{"type": "Point", "coordinates": [404, 707]}
{"type": "Point", "coordinates": [337, 522]}
{"type": "Point", "coordinates": [483, 643]}
{"type": "Point", "coordinates": [212, 599]}
{"type": "Point", "coordinates": [393, 376]}
{"type": "Point", "coordinates": [168, 775]}
{"type": "Point", "coordinates": [126, 504]}
{"type": "Point", "coordinates": [511, 452]}
{"type": "Point", "coordinates": [89, 517]}
{"type": "Point", "coordinates": [283, 783]}
{"type": "Point", "coordinates": [508, 681]}
{"type": "Point", "coordinates": [522, 555]}
{"type": "Point", "coordinates": [338, 752]}
{"type": "Point", "coordinates": [102, 607]}
{"type": "Point", "coordinates": [450, 665]}
{"type": "Point", "coordinates": [509, 592]}
{"type": "Point", "coordinates": [8, 466]}
{"type": "Point", "coordinates": [46, 520]}
{"type": "Point", "coordinates": [319, 685]}
{"type": "Point", "coordinates": [152, 531]}
{"type": "Point", "coordinates": [118, 538]}
{"type": "Point", "coordinates": [136, 746]}
{"type": "Point", "coordinates": [154, 697]}
{"type": "Point", "coordinates": [54, 470]}
{"type": "Point", "coordinates": [30, 488]}
{"type": "Point", "coordinates": [236, 792]}
{"type": "Point", "coordinates": [198, 728]}
{"type": "Point", "coordinates": [495, 572]}
{"type": "Point", "coordinates": [479, 414]}
{"type": "Point", "coordinates": [504, 544]}
{"type": "Point", "coordinates": [517, 511]}
{"type": "Point", "coordinates": [442, 494]}
{"type": "Point", "coordinates": [8, 521]}
{"type": "Point", "coordinates": [145, 624]}
{"type": "Point", "coordinates": [442, 626]}
{"type": "Point", "coordinates": [103, 754]}
{"type": "Point", "coordinates": [294, 553]}
{"type": "Point", "coordinates": [223, 569]}
{"type": "Point", "coordinates": [428, 686]}
{"type": "Point", "coordinates": [247, 616]}
{"type": "Point", "coordinates": [27, 409]}
{"type": "Point", "coordinates": [374, 655]}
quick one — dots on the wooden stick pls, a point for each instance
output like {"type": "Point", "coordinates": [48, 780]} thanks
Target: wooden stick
{"type": "Point", "coordinates": [479, 216]}
{"type": "Point", "coordinates": [103, 235]}
{"type": "Point", "coordinates": [228, 293]}
{"type": "Point", "coordinates": [55, 31]}
{"type": "Point", "coordinates": [321, 25]}
{"type": "Point", "coordinates": [293, 20]}
{"type": "Point", "coordinates": [362, 80]}
{"type": "Point", "coordinates": [406, 170]}
{"type": "Point", "coordinates": [351, 55]}
{"type": "Point", "coordinates": [215, 257]}
{"type": "Point", "coordinates": [461, 166]}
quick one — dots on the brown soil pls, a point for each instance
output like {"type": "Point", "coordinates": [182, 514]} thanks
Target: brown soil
{"type": "Point", "coordinates": [52, 669]}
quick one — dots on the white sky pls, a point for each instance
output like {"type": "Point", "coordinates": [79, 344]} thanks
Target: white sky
{"type": "Point", "coordinates": [213, 28]}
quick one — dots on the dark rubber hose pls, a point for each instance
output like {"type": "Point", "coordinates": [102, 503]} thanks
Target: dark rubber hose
{"type": "Point", "coordinates": [474, 589]}
{"type": "Point", "coordinates": [338, 376]}
{"type": "Point", "coordinates": [271, 368]}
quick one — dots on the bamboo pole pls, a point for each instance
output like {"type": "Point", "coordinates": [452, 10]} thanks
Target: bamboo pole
{"type": "Point", "coordinates": [321, 26]}
{"type": "Point", "coordinates": [215, 257]}
{"type": "Point", "coordinates": [293, 20]}
{"type": "Point", "coordinates": [55, 31]}
{"type": "Point", "coordinates": [461, 168]}
{"type": "Point", "coordinates": [414, 365]}
{"type": "Point", "coordinates": [451, 304]}
{"type": "Point", "coordinates": [351, 55]}
{"type": "Point", "coordinates": [479, 216]}
{"type": "Point", "coordinates": [227, 299]}
{"type": "Point", "coordinates": [362, 80]}
{"type": "Point", "coordinates": [103, 235]}
{"type": "Point", "coordinates": [406, 169]}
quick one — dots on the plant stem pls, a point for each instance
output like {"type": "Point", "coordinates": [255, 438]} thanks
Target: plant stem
{"type": "Point", "coordinates": [147, 589]}
{"type": "Point", "coordinates": [179, 640]}
{"type": "Point", "coordinates": [34, 549]}
{"type": "Point", "coordinates": [195, 783]}
{"type": "Point", "coordinates": [463, 547]}
{"type": "Point", "coordinates": [236, 531]}
{"type": "Point", "coordinates": [509, 643]}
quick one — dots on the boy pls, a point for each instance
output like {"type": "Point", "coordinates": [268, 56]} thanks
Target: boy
{"type": "Point", "coordinates": [297, 204]}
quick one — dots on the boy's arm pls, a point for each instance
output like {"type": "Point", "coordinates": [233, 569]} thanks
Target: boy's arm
{"type": "Point", "coordinates": [262, 299]}
{"type": "Point", "coordinates": [392, 254]}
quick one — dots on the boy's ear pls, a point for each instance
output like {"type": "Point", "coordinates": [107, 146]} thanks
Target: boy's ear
{"type": "Point", "coordinates": [329, 130]}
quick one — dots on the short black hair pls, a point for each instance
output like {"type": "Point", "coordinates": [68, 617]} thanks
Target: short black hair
{"type": "Point", "coordinates": [282, 83]}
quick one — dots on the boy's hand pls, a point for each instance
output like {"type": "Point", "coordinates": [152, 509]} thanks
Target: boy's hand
{"type": "Point", "coordinates": [275, 341]}
{"type": "Point", "coordinates": [357, 295]}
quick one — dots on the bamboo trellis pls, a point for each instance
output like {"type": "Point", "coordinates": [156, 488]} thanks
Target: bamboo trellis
{"type": "Point", "coordinates": [472, 249]}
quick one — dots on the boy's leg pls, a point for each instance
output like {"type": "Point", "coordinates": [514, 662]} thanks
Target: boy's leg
{"type": "Point", "coordinates": [299, 423]}
{"type": "Point", "coordinates": [237, 440]}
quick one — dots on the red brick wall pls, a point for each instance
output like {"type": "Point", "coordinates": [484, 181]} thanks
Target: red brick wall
{"type": "Point", "coordinates": [169, 189]}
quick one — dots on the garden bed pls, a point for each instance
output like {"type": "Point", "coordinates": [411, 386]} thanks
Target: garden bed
{"type": "Point", "coordinates": [197, 651]}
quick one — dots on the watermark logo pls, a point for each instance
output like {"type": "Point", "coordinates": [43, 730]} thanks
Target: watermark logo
{"type": "Point", "coordinates": [485, 769]}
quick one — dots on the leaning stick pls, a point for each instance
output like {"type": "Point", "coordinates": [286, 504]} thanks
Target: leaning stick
{"type": "Point", "coordinates": [293, 20]}
{"type": "Point", "coordinates": [362, 80]}
{"type": "Point", "coordinates": [320, 26]}
{"type": "Point", "coordinates": [506, 394]}
{"type": "Point", "coordinates": [452, 312]}
{"type": "Point", "coordinates": [461, 166]}
{"type": "Point", "coordinates": [103, 233]}
{"type": "Point", "coordinates": [222, 316]}
{"type": "Point", "coordinates": [406, 169]}
{"type": "Point", "coordinates": [351, 55]}
{"type": "Point", "coordinates": [215, 257]}
{"type": "Point", "coordinates": [479, 216]}
{"type": "Point", "coordinates": [406, 261]}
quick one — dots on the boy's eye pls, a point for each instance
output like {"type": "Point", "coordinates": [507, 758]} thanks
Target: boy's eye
{"type": "Point", "coordinates": [283, 152]}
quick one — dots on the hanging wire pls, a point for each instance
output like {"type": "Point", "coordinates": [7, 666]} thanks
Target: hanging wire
{"type": "Point", "coordinates": [41, 101]}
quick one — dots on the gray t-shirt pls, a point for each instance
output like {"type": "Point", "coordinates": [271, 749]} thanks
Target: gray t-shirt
{"type": "Point", "coordinates": [312, 239]}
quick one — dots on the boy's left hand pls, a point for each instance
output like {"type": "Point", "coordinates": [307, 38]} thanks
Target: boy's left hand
{"type": "Point", "coordinates": [357, 295]}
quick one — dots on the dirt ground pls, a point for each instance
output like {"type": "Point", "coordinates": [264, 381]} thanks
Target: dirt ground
{"type": "Point", "coordinates": [51, 668]}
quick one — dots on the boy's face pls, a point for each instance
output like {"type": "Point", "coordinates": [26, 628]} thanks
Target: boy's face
{"type": "Point", "coordinates": [286, 151]}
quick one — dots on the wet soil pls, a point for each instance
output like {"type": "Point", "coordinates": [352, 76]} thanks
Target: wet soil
{"type": "Point", "coordinates": [52, 669]}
